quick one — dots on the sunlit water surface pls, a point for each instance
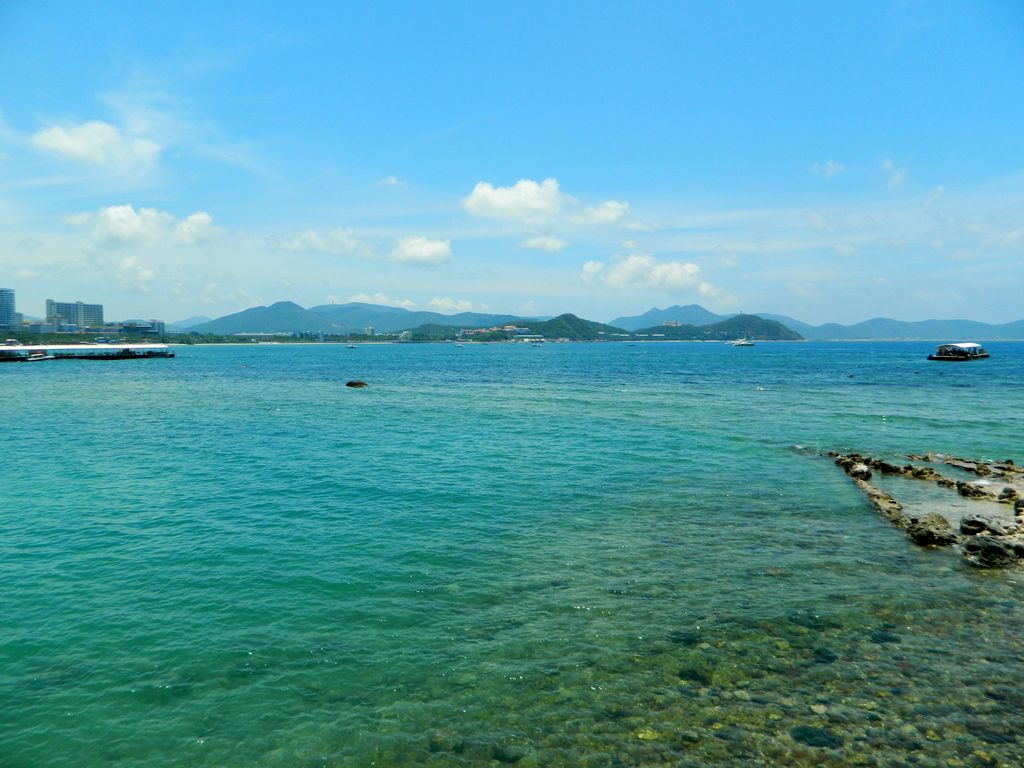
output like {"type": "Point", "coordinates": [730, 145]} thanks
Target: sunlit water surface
{"type": "Point", "coordinates": [580, 554]}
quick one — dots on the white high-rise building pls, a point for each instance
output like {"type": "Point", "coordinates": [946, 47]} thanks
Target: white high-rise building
{"type": "Point", "coordinates": [74, 313]}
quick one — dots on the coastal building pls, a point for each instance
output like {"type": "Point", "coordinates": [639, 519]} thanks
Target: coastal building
{"type": "Point", "coordinates": [152, 328]}
{"type": "Point", "coordinates": [8, 317]}
{"type": "Point", "coordinates": [368, 330]}
{"type": "Point", "coordinates": [74, 313]}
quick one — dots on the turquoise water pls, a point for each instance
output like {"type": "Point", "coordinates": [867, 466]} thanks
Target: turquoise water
{"type": "Point", "coordinates": [580, 554]}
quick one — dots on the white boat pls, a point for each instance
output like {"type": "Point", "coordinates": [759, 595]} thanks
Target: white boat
{"type": "Point", "coordinates": [958, 353]}
{"type": "Point", "coordinates": [741, 343]}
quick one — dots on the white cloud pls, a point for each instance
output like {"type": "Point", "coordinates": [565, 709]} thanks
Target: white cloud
{"type": "Point", "coordinates": [130, 274]}
{"type": "Point", "coordinates": [709, 291]}
{"type": "Point", "coordinates": [98, 143]}
{"type": "Point", "coordinates": [121, 225]}
{"type": "Point", "coordinates": [844, 249]}
{"type": "Point", "coordinates": [214, 293]}
{"type": "Point", "coordinates": [421, 250]}
{"type": "Point", "coordinates": [828, 169]}
{"type": "Point", "coordinates": [642, 271]}
{"type": "Point", "coordinates": [591, 271]}
{"type": "Point", "coordinates": [608, 212]}
{"type": "Point", "coordinates": [382, 298]}
{"type": "Point", "coordinates": [896, 175]}
{"type": "Point", "coordinates": [26, 274]}
{"type": "Point", "coordinates": [391, 181]}
{"type": "Point", "coordinates": [195, 228]}
{"type": "Point", "coordinates": [544, 243]}
{"type": "Point", "coordinates": [337, 242]}
{"type": "Point", "coordinates": [525, 201]}
{"type": "Point", "coordinates": [446, 304]}
{"type": "Point", "coordinates": [535, 204]}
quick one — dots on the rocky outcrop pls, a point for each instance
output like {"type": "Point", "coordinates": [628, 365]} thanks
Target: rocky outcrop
{"type": "Point", "coordinates": [972, 525]}
{"type": "Point", "coordinates": [985, 540]}
{"type": "Point", "coordinates": [988, 551]}
{"type": "Point", "coordinates": [932, 530]}
{"type": "Point", "coordinates": [356, 384]}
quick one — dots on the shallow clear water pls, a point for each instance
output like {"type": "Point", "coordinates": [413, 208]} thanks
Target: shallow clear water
{"type": "Point", "coordinates": [580, 554]}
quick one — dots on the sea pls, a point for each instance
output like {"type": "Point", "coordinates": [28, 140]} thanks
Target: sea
{"type": "Point", "coordinates": [601, 554]}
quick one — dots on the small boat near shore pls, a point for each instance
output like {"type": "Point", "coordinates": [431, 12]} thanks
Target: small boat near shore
{"type": "Point", "coordinates": [741, 343]}
{"type": "Point", "coordinates": [958, 353]}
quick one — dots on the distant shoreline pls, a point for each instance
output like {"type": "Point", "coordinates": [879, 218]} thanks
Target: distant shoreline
{"type": "Point", "coordinates": [570, 341]}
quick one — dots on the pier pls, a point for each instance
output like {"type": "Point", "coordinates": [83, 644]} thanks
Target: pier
{"type": "Point", "coordinates": [25, 353]}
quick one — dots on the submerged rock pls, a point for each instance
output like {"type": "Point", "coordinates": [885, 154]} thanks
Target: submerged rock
{"type": "Point", "coordinates": [816, 737]}
{"type": "Point", "coordinates": [356, 384]}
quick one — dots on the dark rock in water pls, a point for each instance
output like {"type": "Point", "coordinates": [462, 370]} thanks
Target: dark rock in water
{"type": "Point", "coordinates": [1018, 507]}
{"type": "Point", "coordinates": [356, 384]}
{"type": "Point", "coordinates": [684, 637]}
{"type": "Point", "coordinates": [509, 753]}
{"type": "Point", "coordinates": [945, 482]}
{"type": "Point", "coordinates": [972, 525]}
{"type": "Point", "coordinates": [970, 490]}
{"type": "Point", "coordinates": [882, 636]}
{"type": "Point", "coordinates": [932, 530]}
{"type": "Point", "coordinates": [816, 737]}
{"type": "Point", "coordinates": [824, 656]}
{"type": "Point", "coordinates": [885, 467]}
{"type": "Point", "coordinates": [991, 731]}
{"type": "Point", "coordinates": [1008, 494]}
{"type": "Point", "coordinates": [860, 471]}
{"type": "Point", "coordinates": [698, 675]}
{"type": "Point", "coordinates": [987, 551]}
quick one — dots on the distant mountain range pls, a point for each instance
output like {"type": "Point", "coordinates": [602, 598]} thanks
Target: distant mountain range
{"type": "Point", "coordinates": [569, 326]}
{"type": "Point", "coordinates": [188, 322]}
{"type": "Point", "coordinates": [289, 317]}
{"type": "Point", "coordinates": [354, 317]}
{"type": "Point", "coordinates": [877, 328]}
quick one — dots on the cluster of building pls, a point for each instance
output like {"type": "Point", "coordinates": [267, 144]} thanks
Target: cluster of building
{"type": "Point", "coordinates": [69, 317]}
{"type": "Point", "coordinates": [514, 330]}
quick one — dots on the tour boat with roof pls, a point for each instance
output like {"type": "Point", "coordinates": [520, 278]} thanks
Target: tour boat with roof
{"type": "Point", "coordinates": [959, 353]}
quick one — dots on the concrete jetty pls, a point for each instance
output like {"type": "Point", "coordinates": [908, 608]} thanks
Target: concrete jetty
{"type": "Point", "coordinates": [20, 353]}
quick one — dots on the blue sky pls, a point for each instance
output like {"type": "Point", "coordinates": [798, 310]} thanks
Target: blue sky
{"type": "Point", "coordinates": [831, 161]}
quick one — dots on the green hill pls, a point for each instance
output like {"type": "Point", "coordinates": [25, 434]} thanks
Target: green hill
{"type": "Point", "coordinates": [569, 326]}
{"type": "Point", "coordinates": [282, 317]}
{"type": "Point", "coordinates": [735, 327]}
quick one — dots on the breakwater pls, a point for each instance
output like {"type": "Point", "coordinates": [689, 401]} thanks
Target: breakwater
{"type": "Point", "coordinates": [35, 352]}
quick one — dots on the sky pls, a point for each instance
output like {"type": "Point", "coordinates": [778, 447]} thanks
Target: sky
{"type": "Point", "coordinates": [830, 161]}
